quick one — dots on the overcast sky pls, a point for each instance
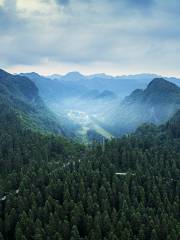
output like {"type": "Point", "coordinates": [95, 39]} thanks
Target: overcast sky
{"type": "Point", "coordinates": [112, 36]}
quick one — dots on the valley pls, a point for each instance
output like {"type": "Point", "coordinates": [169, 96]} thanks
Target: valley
{"type": "Point", "coordinates": [100, 106]}
{"type": "Point", "coordinates": [65, 175]}
{"type": "Point", "coordinates": [87, 123]}
{"type": "Point", "coordinates": [84, 123]}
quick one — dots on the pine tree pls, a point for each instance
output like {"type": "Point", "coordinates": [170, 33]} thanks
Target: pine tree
{"type": "Point", "coordinates": [75, 233]}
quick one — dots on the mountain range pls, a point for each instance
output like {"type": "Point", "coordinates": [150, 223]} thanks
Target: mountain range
{"type": "Point", "coordinates": [121, 85]}
{"type": "Point", "coordinates": [110, 106]}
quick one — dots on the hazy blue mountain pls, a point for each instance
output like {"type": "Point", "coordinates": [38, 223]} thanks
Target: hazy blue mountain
{"type": "Point", "coordinates": [55, 89]}
{"type": "Point", "coordinates": [73, 76]}
{"type": "Point", "coordinates": [76, 84]}
{"type": "Point", "coordinates": [141, 76]}
{"type": "Point", "coordinates": [54, 76]}
{"type": "Point", "coordinates": [158, 91]}
{"type": "Point", "coordinates": [99, 75]}
{"type": "Point", "coordinates": [156, 104]}
{"type": "Point", "coordinates": [120, 85]}
{"type": "Point", "coordinates": [107, 95]}
{"type": "Point", "coordinates": [13, 86]}
{"type": "Point", "coordinates": [70, 76]}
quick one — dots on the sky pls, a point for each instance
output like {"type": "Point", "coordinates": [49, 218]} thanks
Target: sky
{"type": "Point", "coordinates": [91, 36]}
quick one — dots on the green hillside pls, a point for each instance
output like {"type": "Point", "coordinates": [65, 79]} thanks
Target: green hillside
{"type": "Point", "coordinates": [51, 188]}
{"type": "Point", "coordinates": [22, 96]}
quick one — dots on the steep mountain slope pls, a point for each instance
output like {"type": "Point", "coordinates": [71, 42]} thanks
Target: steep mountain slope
{"type": "Point", "coordinates": [173, 125]}
{"type": "Point", "coordinates": [21, 95]}
{"type": "Point", "coordinates": [52, 90]}
{"type": "Point", "coordinates": [156, 104]}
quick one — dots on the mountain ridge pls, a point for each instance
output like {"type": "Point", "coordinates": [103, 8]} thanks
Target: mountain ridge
{"type": "Point", "coordinates": [21, 95]}
{"type": "Point", "coordinates": [155, 104]}
{"type": "Point", "coordinates": [158, 90]}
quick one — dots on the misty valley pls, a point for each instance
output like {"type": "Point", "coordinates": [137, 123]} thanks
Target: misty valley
{"type": "Point", "coordinates": [101, 106]}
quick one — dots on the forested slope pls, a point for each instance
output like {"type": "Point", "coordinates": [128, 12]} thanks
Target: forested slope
{"type": "Point", "coordinates": [55, 189]}
{"type": "Point", "coordinates": [22, 96]}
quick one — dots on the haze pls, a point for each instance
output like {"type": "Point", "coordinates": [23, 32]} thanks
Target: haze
{"type": "Point", "coordinates": [116, 37]}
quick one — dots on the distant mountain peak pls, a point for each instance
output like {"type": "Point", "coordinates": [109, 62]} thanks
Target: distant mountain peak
{"type": "Point", "coordinates": [75, 73]}
{"type": "Point", "coordinates": [30, 74]}
{"type": "Point", "coordinates": [160, 84]}
{"type": "Point", "coordinates": [99, 75]}
{"type": "Point", "coordinates": [34, 73]}
{"type": "Point", "coordinates": [54, 76]}
{"type": "Point", "coordinates": [107, 94]}
{"type": "Point", "coordinates": [136, 95]}
{"type": "Point", "coordinates": [140, 76]}
{"type": "Point", "coordinates": [73, 76]}
{"type": "Point", "coordinates": [159, 81]}
{"type": "Point", "coordinates": [3, 73]}
{"type": "Point", "coordinates": [158, 91]}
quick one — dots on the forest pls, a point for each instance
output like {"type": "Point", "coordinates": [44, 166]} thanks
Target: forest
{"type": "Point", "coordinates": [53, 188]}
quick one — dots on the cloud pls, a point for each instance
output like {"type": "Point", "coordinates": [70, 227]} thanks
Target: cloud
{"type": "Point", "coordinates": [142, 3]}
{"type": "Point", "coordinates": [132, 3]}
{"type": "Point", "coordinates": [132, 34]}
{"type": "Point", "coordinates": [63, 2]}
